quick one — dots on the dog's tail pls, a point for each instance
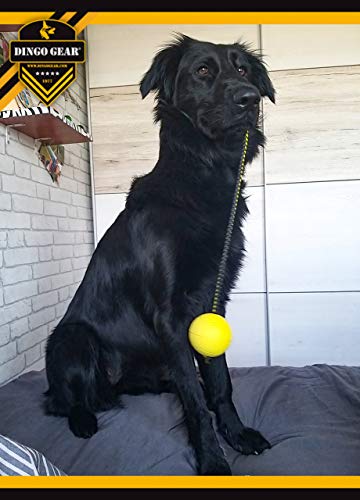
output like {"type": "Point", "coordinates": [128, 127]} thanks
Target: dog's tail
{"type": "Point", "coordinates": [78, 383]}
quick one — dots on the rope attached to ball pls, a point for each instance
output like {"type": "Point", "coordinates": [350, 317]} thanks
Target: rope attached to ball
{"type": "Point", "coordinates": [210, 333]}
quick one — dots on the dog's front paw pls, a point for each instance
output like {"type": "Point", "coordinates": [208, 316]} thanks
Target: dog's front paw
{"type": "Point", "coordinates": [214, 466]}
{"type": "Point", "coordinates": [248, 441]}
{"type": "Point", "coordinates": [82, 422]}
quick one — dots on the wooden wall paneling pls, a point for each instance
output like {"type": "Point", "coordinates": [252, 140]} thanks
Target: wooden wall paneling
{"type": "Point", "coordinates": [313, 132]}
{"type": "Point", "coordinates": [289, 46]}
{"type": "Point", "coordinates": [133, 46]}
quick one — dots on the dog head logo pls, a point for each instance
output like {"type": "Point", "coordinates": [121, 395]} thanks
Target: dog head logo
{"type": "Point", "coordinates": [47, 52]}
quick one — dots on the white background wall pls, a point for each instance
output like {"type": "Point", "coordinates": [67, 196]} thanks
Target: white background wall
{"type": "Point", "coordinates": [298, 298]}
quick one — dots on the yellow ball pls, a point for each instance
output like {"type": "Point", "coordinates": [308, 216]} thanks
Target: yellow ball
{"type": "Point", "coordinates": [210, 334]}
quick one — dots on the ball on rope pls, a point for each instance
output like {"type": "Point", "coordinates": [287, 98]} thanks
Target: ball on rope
{"type": "Point", "coordinates": [210, 334]}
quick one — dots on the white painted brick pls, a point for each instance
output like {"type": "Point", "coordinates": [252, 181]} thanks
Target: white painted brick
{"type": "Point", "coordinates": [13, 293]}
{"type": "Point", "coordinates": [74, 161]}
{"type": "Point", "coordinates": [82, 250]}
{"type": "Point", "coordinates": [12, 368]}
{"type": "Point", "coordinates": [27, 204]}
{"type": "Point", "coordinates": [77, 225]}
{"type": "Point", "coordinates": [52, 325]}
{"type": "Point", "coordinates": [36, 367]}
{"type": "Point", "coordinates": [60, 195]}
{"type": "Point", "coordinates": [26, 140]}
{"type": "Point", "coordinates": [5, 334]}
{"type": "Point", "coordinates": [22, 169]}
{"type": "Point", "coordinates": [5, 201]}
{"type": "Point", "coordinates": [81, 176]}
{"type": "Point", "coordinates": [61, 309]}
{"type": "Point", "coordinates": [3, 239]}
{"type": "Point", "coordinates": [89, 238]}
{"type": "Point", "coordinates": [68, 172]}
{"type": "Point", "coordinates": [15, 311]}
{"type": "Point", "coordinates": [2, 145]}
{"type": "Point", "coordinates": [80, 262]}
{"type": "Point", "coordinates": [64, 238]}
{"type": "Point", "coordinates": [44, 285]}
{"type": "Point", "coordinates": [19, 256]}
{"type": "Point", "coordinates": [19, 327]}
{"type": "Point", "coordinates": [72, 212]}
{"type": "Point", "coordinates": [1, 258]}
{"type": "Point", "coordinates": [42, 317]}
{"type": "Point", "coordinates": [32, 338]}
{"type": "Point", "coordinates": [7, 352]}
{"type": "Point", "coordinates": [73, 288]}
{"type": "Point", "coordinates": [78, 275]}
{"type": "Point", "coordinates": [45, 269]}
{"type": "Point", "coordinates": [79, 238]}
{"type": "Point", "coordinates": [84, 213]}
{"type": "Point", "coordinates": [6, 164]}
{"type": "Point", "coordinates": [42, 191]}
{"type": "Point", "coordinates": [45, 254]}
{"type": "Point", "coordinates": [38, 238]}
{"type": "Point", "coordinates": [62, 251]}
{"type": "Point", "coordinates": [68, 184]}
{"type": "Point", "coordinates": [44, 222]}
{"type": "Point", "coordinates": [12, 220]}
{"type": "Point", "coordinates": [33, 355]}
{"type": "Point", "coordinates": [44, 300]}
{"type": "Point", "coordinates": [43, 347]}
{"type": "Point", "coordinates": [15, 239]}
{"type": "Point", "coordinates": [84, 165]}
{"type": "Point", "coordinates": [62, 280]}
{"type": "Point", "coordinates": [22, 152]}
{"type": "Point", "coordinates": [13, 184]}
{"type": "Point", "coordinates": [63, 224]}
{"type": "Point", "coordinates": [81, 201]}
{"type": "Point", "coordinates": [54, 208]}
{"type": "Point", "coordinates": [15, 274]}
{"type": "Point", "coordinates": [65, 265]}
{"type": "Point", "coordinates": [83, 189]}
{"type": "Point", "coordinates": [40, 174]}
{"type": "Point", "coordinates": [63, 294]}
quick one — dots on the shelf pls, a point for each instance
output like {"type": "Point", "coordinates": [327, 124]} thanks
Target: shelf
{"type": "Point", "coordinates": [44, 124]}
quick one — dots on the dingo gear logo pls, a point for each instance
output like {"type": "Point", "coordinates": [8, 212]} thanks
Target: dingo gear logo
{"type": "Point", "coordinates": [47, 53]}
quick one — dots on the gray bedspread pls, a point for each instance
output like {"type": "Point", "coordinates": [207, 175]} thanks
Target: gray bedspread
{"type": "Point", "coordinates": [311, 416]}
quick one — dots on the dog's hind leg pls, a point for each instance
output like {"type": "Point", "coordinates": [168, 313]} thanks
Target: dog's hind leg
{"type": "Point", "coordinates": [78, 384]}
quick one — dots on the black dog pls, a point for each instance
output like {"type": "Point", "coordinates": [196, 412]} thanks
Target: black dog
{"type": "Point", "coordinates": [154, 270]}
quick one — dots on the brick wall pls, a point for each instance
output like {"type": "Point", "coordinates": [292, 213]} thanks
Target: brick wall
{"type": "Point", "coordinates": [46, 240]}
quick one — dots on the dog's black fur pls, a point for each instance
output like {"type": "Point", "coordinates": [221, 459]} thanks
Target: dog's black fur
{"type": "Point", "coordinates": [154, 270]}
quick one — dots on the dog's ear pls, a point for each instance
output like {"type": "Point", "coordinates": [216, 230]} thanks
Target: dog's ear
{"type": "Point", "coordinates": [261, 77]}
{"type": "Point", "coordinates": [163, 70]}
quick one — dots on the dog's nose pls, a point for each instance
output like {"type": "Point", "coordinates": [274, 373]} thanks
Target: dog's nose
{"type": "Point", "coordinates": [247, 99]}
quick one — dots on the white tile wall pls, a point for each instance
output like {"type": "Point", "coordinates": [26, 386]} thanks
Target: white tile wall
{"type": "Point", "coordinates": [308, 328]}
{"type": "Point", "coordinates": [246, 314]}
{"type": "Point", "coordinates": [313, 236]}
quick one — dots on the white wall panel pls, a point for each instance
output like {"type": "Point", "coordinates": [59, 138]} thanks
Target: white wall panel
{"type": "Point", "coordinates": [313, 236]}
{"type": "Point", "coordinates": [252, 275]}
{"type": "Point", "coordinates": [246, 315]}
{"type": "Point", "coordinates": [108, 207]}
{"type": "Point", "coordinates": [133, 46]}
{"type": "Point", "coordinates": [310, 45]}
{"type": "Point", "coordinates": [309, 328]}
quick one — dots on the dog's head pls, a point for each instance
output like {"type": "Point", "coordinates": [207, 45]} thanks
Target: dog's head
{"type": "Point", "coordinates": [218, 87]}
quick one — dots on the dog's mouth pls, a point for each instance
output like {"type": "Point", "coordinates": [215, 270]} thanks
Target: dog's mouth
{"type": "Point", "coordinates": [216, 125]}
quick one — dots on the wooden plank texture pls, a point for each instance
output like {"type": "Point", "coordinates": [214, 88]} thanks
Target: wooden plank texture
{"type": "Point", "coordinates": [313, 134]}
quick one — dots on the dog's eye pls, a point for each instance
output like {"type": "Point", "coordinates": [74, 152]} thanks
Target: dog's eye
{"type": "Point", "coordinates": [242, 70]}
{"type": "Point", "coordinates": [203, 70]}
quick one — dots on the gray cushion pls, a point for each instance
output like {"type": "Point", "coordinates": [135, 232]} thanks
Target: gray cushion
{"type": "Point", "coordinates": [311, 415]}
